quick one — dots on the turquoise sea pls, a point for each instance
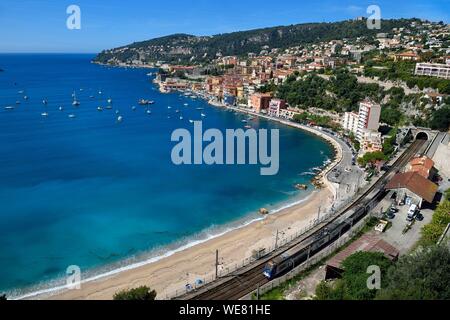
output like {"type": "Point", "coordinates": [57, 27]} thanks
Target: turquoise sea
{"type": "Point", "coordinates": [92, 192]}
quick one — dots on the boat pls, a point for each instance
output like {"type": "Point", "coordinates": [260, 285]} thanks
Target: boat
{"type": "Point", "coordinates": [109, 100]}
{"type": "Point", "coordinates": [149, 112]}
{"type": "Point", "coordinates": [61, 108]}
{"type": "Point", "coordinates": [17, 102]}
{"type": "Point", "coordinates": [44, 114]}
{"type": "Point", "coordinates": [244, 121]}
{"type": "Point", "coordinates": [248, 127]}
{"type": "Point", "coordinates": [144, 102]}
{"type": "Point", "coordinates": [71, 116]}
{"type": "Point", "coordinates": [75, 103]}
{"type": "Point", "coordinates": [133, 108]}
{"type": "Point", "coordinates": [45, 101]}
{"type": "Point", "coordinates": [200, 108]}
{"type": "Point", "coordinates": [100, 92]}
{"type": "Point", "coordinates": [9, 108]}
{"type": "Point", "coordinates": [108, 107]}
{"type": "Point", "coordinates": [177, 111]}
{"type": "Point", "coordinates": [117, 111]}
{"type": "Point", "coordinates": [186, 104]}
{"type": "Point", "coordinates": [25, 97]}
{"type": "Point", "coordinates": [119, 119]}
{"type": "Point", "coordinates": [20, 92]}
{"type": "Point", "coordinates": [181, 118]}
{"type": "Point", "coordinates": [169, 107]}
{"type": "Point", "coordinates": [203, 115]}
{"type": "Point", "coordinates": [191, 121]}
{"type": "Point", "coordinates": [99, 108]}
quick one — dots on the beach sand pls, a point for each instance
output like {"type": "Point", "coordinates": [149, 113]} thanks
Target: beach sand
{"type": "Point", "coordinates": [173, 273]}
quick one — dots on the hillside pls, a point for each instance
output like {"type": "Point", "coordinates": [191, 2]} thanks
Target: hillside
{"type": "Point", "coordinates": [184, 48]}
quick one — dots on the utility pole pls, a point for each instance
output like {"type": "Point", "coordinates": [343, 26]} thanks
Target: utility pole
{"type": "Point", "coordinates": [318, 214]}
{"type": "Point", "coordinates": [276, 241]}
{"type": "Point", "coordinates": [217, 262]}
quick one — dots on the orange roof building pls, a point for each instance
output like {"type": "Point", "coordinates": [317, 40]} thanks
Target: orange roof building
{"type": "Point", "coordinates": [422, 166]}
{"type": "Point", "coordinates": [413, 185]}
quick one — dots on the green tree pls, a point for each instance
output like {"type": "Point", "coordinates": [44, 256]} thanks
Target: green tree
{"type": "Point", "coordinates": [433, 231]}
{"type": "Point", "coordinates": [143, 293]}
{"type": "Point", "coordinates": [440, 119]}
{"type": "Point", "coordinates": [353, 285]}
{"type": "Point", "coordinates": [424, 275]}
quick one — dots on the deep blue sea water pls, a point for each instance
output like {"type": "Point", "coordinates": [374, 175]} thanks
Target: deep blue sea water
{"type": "Point", "coordinates": [92, 192]}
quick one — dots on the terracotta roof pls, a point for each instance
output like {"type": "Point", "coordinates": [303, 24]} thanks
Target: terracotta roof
{"type": "Point", "coordinates": [415, 183]}
{"type": "Point", "coordinates": [367, 243]}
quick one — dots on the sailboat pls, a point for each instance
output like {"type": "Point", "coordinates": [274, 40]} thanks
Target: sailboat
{"type": "Point", "coordinates": [75, 102]}
{"type": "Point", "coordinates": [119, 119]}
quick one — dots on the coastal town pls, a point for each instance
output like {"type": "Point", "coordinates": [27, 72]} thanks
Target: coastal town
{"type": "Point", "coordinates": [119, 184]}
{"type": "Point", "coordinates": [402, 80]}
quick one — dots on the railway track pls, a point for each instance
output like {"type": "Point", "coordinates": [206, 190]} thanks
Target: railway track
{"type": "Point", "coordinates": [246, 280]}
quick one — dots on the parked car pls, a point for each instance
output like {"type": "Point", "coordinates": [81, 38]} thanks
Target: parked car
{"type": "Point", "coordinates": [412, 212]}
{"type": "Point", "coordinates": [419, 217]}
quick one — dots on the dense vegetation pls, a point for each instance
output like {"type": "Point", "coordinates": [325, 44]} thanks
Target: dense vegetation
{"type": "Point", "coordinates": [138, 294]}
{"type": "Point", "coordinates": [340, 92]}
{"type": "Point", "coordinates": [441, 218]}
{"type": "Point", "coordinates": [353, 284]}
{"type": "Point", "coordinates": [184, 48]}
{"type": "Point", "coordinates": [424, 275]}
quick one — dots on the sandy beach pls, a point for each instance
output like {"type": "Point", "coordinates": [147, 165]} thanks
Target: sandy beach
{"type": "Point", "coordinates": [169, 275]}
{"type": "Point", "coordinates": [174, 272]}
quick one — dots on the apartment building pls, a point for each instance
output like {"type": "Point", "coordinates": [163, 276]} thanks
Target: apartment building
{"type": "Point", "coordinates": [438, 70]}
{"type": "Point", "coordinates": [368, 118]}
{"type": "Point", "coordinates": [260, 101]}
{"type": "Point", "coordinates": [275, 107]}
{"type": "Point", "coordinates": [351, 121]}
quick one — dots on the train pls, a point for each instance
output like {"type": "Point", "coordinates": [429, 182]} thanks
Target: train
{"type": "Point", "coordinates": [327, 235]}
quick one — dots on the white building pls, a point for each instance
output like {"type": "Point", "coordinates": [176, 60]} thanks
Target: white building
{"type": "Point", "coordinates": [371, 141]}
{"type": "Point", "coordinates": [368, 118]}
{"type": "Point", "coordinates": [433, 70]}
{"type": "Point", "coordinates": [351, 121]}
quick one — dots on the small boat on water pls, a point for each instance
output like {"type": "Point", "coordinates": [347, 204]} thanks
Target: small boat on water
{"type": "Point", "coordinates": [109, 100]}
{"type": "Point", "coordinates": [61, 108]}
{"type": "Point", "coordinates": [177, 111]}
{"type": "Point", "coordinates": [108, 107]}
{"type": "Point", "coordinates": [99, 108]}
{"type": "Point", "coordinates": [71, 116]}
{"type": "Point", "coordinates": [9, 108]}
{"type": "Point", "coordinates": [75, 103]}
{"type": "Point", "coordinates": [144, 102]}
{"type": "Point", "coordinates": [44, 114]}
{"type": "Point", "coordinates": [244, 121]}
{"type": "Point", "coordinates": [169, 107]}
{"type": "Point", "coordinates": [149, 112]}
{"type": "Point", "coordinates": [203, 115]}
{"type": "Point", "coordinates": [17, 102]}
{"type": "Point", "coordinates": [100, 92]}
{"type": "Point", "coordinates": [200, 108]}
{"type": "Point", "coordinates": [191, 121]}
{"type": "Point", "coordinates": [117, 111]}
{"type": "Point", "coordinates": [186, 104]}
{"type": "Point", "coordinates": [133, 108]}
{"type": "Point", "coordinates": [119, 119]}
{"type": "Point", "coordinates": [248, 127]}
{"type": "Point", "coordinates": [45, 102]}
{"type": "Point", "coordinates": [20, 92]}
{"type": "Point", "coordinates": [181, 118]}
{"type": "Point", "coordinates": [25, 97]}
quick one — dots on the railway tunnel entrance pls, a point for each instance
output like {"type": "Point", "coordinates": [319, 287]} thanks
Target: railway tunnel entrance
{"type": "Point", "coordinates": [422, 136]}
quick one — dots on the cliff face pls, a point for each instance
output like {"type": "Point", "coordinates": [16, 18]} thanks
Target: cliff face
{"type": "Point", "coordinates": [184, 48]}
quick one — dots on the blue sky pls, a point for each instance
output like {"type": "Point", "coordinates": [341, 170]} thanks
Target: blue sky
{"type": "Point", "coordinates": [40, 25]}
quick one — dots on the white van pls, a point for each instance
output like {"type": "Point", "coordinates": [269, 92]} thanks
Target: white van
{"type": "Point", "coordinates": [412, 213]}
